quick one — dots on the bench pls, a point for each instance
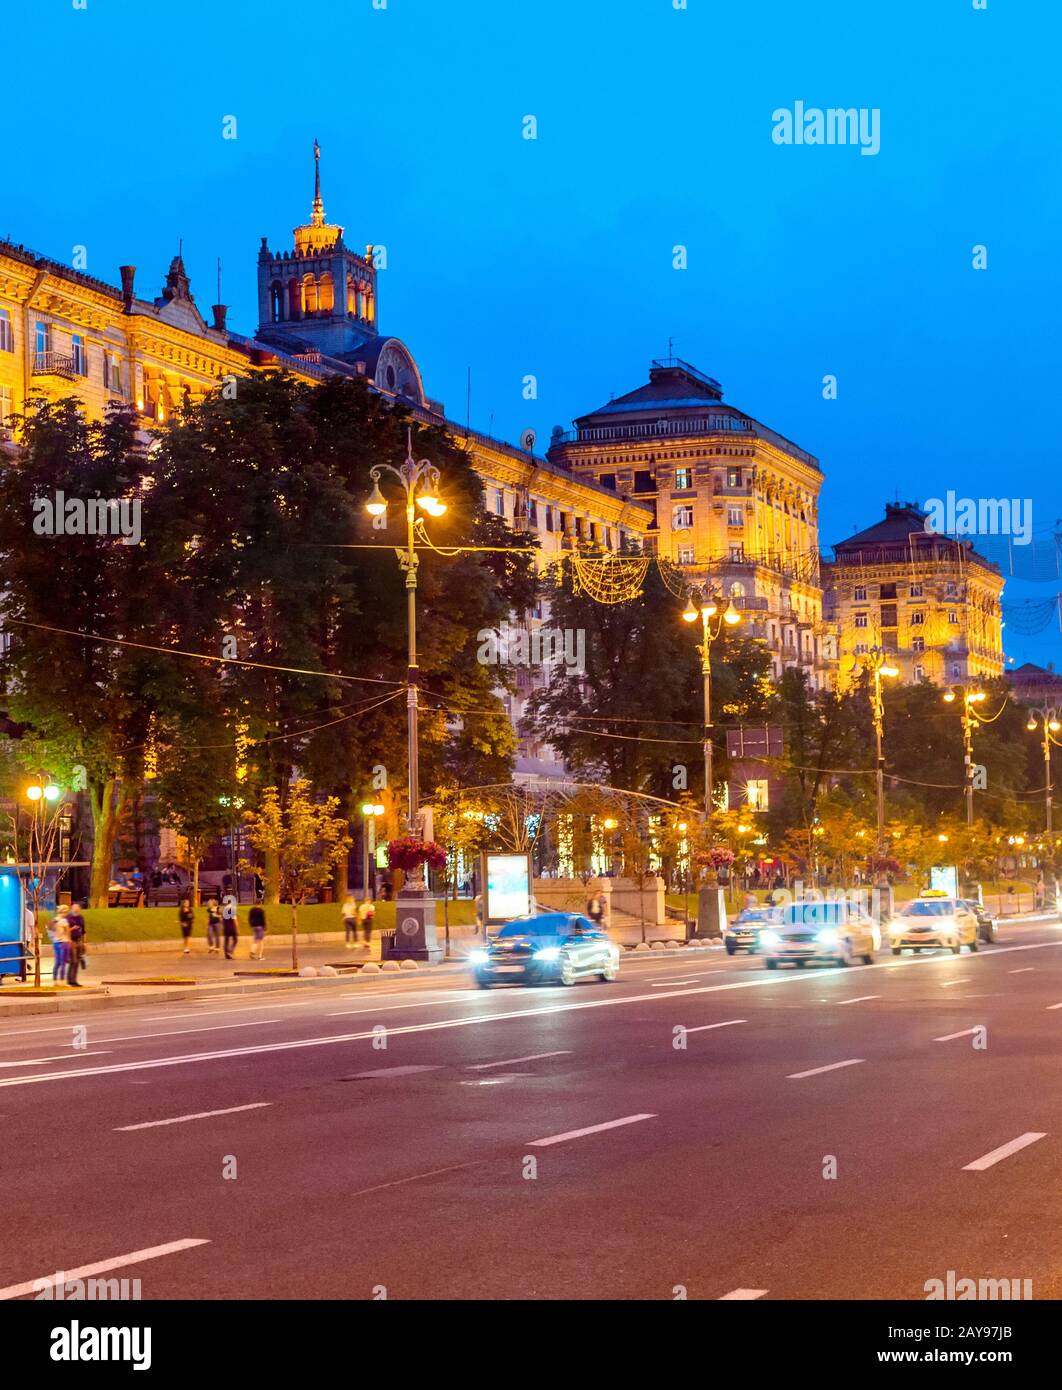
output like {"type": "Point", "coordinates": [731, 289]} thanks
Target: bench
{"type": "Point", "coordinates": [125, 897]}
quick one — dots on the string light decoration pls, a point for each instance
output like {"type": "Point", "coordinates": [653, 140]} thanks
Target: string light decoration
{"type": "Point", "coordinates": [609, 578]}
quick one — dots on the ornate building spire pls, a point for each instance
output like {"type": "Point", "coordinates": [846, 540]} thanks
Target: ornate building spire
{"type": "Point", "coordinates": [317, 219]}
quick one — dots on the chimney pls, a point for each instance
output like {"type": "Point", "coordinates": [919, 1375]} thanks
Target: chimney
{"type": "Point", "coordinates": [219, 311]}
{"type": "Point", "coordinates": [127, 272]}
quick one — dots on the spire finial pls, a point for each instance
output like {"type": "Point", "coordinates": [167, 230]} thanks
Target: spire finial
{"type": "Point", "coordinates": [318, 206]}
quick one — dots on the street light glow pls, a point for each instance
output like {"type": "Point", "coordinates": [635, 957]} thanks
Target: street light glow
{"type": "Point", "coordinates": [51, 792]}
{"type": "Point", "coordinates": [889, 670]}
{"type": "Point", "coordinates": [689, 613]}
{"type": "Point", "coordinates": [731, 617]}
{"type": "Point", "coordinates": [33, 793]}
{"type": "Point", "coordinates": [377, 503]}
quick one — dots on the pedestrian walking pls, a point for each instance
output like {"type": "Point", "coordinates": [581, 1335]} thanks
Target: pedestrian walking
{"type": "Point", "coordinates": [213, 927]}
{"type": "Point", "coordinates": [366, 915]}
{"type": "Point", "coordinates": [76, 959]}
{"type": "Point", "coordinates": [257, 920]}
{"type": "Point", "coordinates": [1041, 893]}
{"type": "Point", "coordinates": [478, 905]}
{"type": "Point", "coordinates": [350, 921]}
{"type": "Point", "coordinates": [186, 917]}
{"type": "Point", "coordinates": [595, 908]}
{"type": "Point", "coordinates": [229, 924]}
{"type": "Point", "coordinates": [59, 936]}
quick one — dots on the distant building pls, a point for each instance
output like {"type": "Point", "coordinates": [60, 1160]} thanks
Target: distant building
{"type": "Point", "coordinates": [736, 504]}
{"type": "Point", "coordinates": [931, 602]}
{"type": "Point", "coordinates": [1036, 685]}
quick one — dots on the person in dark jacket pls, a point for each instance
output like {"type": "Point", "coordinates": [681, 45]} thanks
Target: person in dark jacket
{"type": "Point", "coordinates": [186, 917]}
{"type": "Point", "coordinates": [229, 924]}
{"type": "Point", "coordinates": [76, 962]}
{"type": "Point", "coordinates": [257, 921]}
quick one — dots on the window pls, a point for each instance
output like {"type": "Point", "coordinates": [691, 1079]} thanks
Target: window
{"type": "Point", "coordinates": [7, 336]}
{"type": "Point", "coordinates": [549, 518]}
{"type": "Point", "coordinates": [916, 591]}
{"type": "Point", "coordinates": [953, 617]}
{"type": "Point", "coordinates": [950, 590]}
{"type": "Point", "coordinates": [682, 519]}
{"type": "Point", "coordinates": [919, 673]}
{"type": "Point", "coordinates": [643, 482]}
{"type": "Point", "coordinates": [735, 516]}
{"type": "Point", "coordinates": [737, 553]}
{"type": "Point", "coordinates": [737, 589]}
{"type": "Point", "coordinates": [79, 354]}
{"type": "Point", "coordinates": [887, 591]}
{"type": "Point", "coordinates": [918, 644]}
{"type": "Point", "coordinates": [733, 477]}
{"type": "Point", "coordinates": [888, 615]}
{"type": "Point", "coordinates": [757, 795]}
{"type": "Point", "coordinates": [499, 502]}
{"type": "Point", "coordinates": [608, 480]}
{"type": "Point", "coordinates": [43, 337]}
{"type": "Point", "coordinates": [861, 593]}
{"type": "Point", "coordinates": [955, 671]}
{"type": "Point", "coordinates": [685, 554]}
{"type": "Point", "coordinates": [861, 620]}
{"type": "Point", "coordinates": [861, 649]}
{"type": "Point", "coordinates": [5, 405]}
{"type": "Point", "coordinates": [918, 617]}
{"type": "Point", "coordinates": [682, 478]}
{"type": "Point", "coordinates": [532, 512]}
{"type": "Point", "coordinates": [112, 373]}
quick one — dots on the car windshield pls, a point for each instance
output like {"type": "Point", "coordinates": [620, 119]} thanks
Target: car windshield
{"type": "Point", "coordinates": [929, 907]}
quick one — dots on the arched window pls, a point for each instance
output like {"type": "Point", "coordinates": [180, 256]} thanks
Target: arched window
{"type": "Point", "coordinates": [369, 302]}
{"type": "Point", "coordinates": [309, 293]}
{"type": "Point", "coordinates": [737, 589]}
{"type": "Point", "coordinates": [352, 296]}
{"type": "Point", "coordinates": [326, 295]}
{"type": "Point", "coordinates": [276, 302]}
{"type": "Point", "coordinates": [294, 299]}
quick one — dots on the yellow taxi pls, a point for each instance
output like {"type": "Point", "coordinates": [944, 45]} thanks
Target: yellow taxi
{"type": "Point", "coordinates": [933, 920]}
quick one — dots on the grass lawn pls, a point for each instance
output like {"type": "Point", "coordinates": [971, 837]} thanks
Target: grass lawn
{"type": "Point", "coordinates": [160, 923]}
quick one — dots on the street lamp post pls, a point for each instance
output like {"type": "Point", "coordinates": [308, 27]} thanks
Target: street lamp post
{"type": "Point", "coordinates": [39, 794]}
{"type": "Point", "coordinates": [712, 622]}
{"type": "Point", "coordinates": [419, 478]}
{"type": "Point", "coordinates": [880, 666]}
{"type": "Point", "coordinates": [1047, 720]}
{"type": "Point", "coordinates": [970, 719]}
{"type": "Point", "coordinates": [369, 810]}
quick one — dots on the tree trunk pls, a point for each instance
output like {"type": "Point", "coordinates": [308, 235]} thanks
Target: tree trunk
{"type": "Point", "coordinates": [271, 875]}
{"type": "Point", "coordinates": [107, 808]}
{"type": "Point", "coordinates": [294, 935]}
{"type": "Point", "coordinates": [195, 882]}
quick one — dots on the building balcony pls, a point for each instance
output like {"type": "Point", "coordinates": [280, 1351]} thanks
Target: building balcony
{"type": "Point", "coordinates": [59, 364]}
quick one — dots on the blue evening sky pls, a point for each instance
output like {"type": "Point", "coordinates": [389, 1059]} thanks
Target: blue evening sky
{"type": "Point", "coordinates": [554, 257]}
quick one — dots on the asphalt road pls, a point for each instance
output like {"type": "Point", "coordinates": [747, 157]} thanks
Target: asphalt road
{"type": "Point", "coordinates": [434, 1141]}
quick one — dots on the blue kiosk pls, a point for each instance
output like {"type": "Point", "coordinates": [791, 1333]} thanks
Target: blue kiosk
{"type": "Point", "coordinates": [12, 918]}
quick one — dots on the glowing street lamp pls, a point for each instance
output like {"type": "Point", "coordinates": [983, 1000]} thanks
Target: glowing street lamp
{"type": "Point", "coordinates": [712, 622]}
{"type": "Point", "coordinates": [370, 810]}
{"type": "Point", "coordinates": [1047, 720]}
{"type": "Point", "coordinates": [970, 719]}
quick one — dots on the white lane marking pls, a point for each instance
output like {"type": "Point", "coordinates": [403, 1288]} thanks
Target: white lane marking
{"type": "Point", "coordinates": [817, 1071]}
{"type": "Point", "coordinates": [199, 1115]}
{"type": "Point", "coordinates": [511, 1061]}
{"type": "Point", "coordinates": [704, 1027]}
{"type": "Point", "coordinates": [667, 984]}
{"type": "Point", "coordinates": [180, 1032]}
{"type": "Point", "coordinates": [63, 1057]}
{"type": "Point", "coordinates": [421, 1004]}
{"type": "Point", "coordinates": [1053, 1006]}
{"type": "Point", "coordinates": [499, 1080]}
{"type": "Point", "coordinates": [1022, 1142]}
{"type": "Point", "coordinates": [135, 1257]}
{"type": "Point", "coordinates": [1025, 970]}
{"type": "Point", "coordinates": [741, 1295]}
{"type": "Point", "coordinates": [949, 1036]}
{"type": "Point", "coordinates": [612, 1001]}
{"type": "Point", "coordinates": [963, 980]}
{"type": "Point", "coordinates": [859, 999]}
{"type": "Point", "coordinates": [392, 1071]}
{"type": "Point", "coordinates": [590, 1129]}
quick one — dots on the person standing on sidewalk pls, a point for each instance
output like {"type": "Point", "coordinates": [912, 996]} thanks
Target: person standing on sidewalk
{"type": "Point", "coordinates": [257, 919]}
{"type": "Point", "coordinates": [186, 917]}
{"type": "Point", "coordinates": [59, 935]}
{"type": "Point", "coordinates": [350, 921]}
{"type": "Point", "coordinates": [366, 916]}
{"type": "Point", "coordinates": [213, 927]}
{"type": "Point", "coordinates": [1040, 894]}
{"type": "Point", "coordinates": [76, 960]}
{"type": "Point", "coordinates": [229, 924]}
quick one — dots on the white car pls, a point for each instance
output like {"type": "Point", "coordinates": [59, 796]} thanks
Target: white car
{"type": "Point", "coordinates": [837, 932]}
{"type": "Point", "coordinates": [933, 921]}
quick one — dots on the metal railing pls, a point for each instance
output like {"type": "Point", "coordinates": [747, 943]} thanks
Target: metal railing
{"type": "Point", "coordinates": [54, 364]}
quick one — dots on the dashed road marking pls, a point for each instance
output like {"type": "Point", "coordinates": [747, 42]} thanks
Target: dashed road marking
{"type": "Point", "coordinates": [817, 1071]}
{"type": "Point", "coordinates": [590, 1129]}
{"type": "Point", "coordinates": [1004, 1151]}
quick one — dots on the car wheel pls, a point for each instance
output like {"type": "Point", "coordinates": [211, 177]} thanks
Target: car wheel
{"type": "Point", "coordinates": [730, 947]}
{"type": "Point", "coordinates": [973, 945]}
{"type": "Point", "coordinates": [800, 964]}
{"type": "Point", "coordinates": [896, 951]}
{"type": "Point", "coordinates": [845, 958]}
{"type": "Point", "coordinates": [482, 982]}
{"type": "Point", "coordinates": [868, 959]}
{"type": "Point", "coordinates": [567, 971]}
{"type": "Point", "coordinates": [956, 947]}
{"type": "Point", "coordinates": [610, 972]}
{"type": "Point", "coordinates": [771, 964]}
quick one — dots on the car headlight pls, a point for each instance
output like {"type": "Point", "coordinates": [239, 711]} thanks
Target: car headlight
{"type": "Point", "coordinates": [769, 938]}
{"type": "Point", "coordinates": [548, 953]}
{"type": "Point", "coordinates": [827, 936]}
{"type": "Point", "coordinates": [478, 957]}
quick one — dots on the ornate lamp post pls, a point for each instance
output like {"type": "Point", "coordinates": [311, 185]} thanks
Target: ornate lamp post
{"type": "Point", "coordinates": [419, 479]}
{"type": "Point", "coordinates": [1047, 720]}
{"type": "Point", "coordinates": [369, 810]}
{"type": "Point", "coordinates": [706, 606]}
{"type": "Point", "coordinates": [970, 719]}
{"type": "Point", "coordinates": [880, 666]}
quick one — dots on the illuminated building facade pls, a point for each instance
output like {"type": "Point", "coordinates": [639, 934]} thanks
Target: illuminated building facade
{"type": "Point", "coordinates": [932, 602]}
{"type": "Point", "coordinates": [735, 503]}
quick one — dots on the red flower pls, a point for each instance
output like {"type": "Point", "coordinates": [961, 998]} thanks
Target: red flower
{"type": "Point", "coordinates": [408, 853]}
